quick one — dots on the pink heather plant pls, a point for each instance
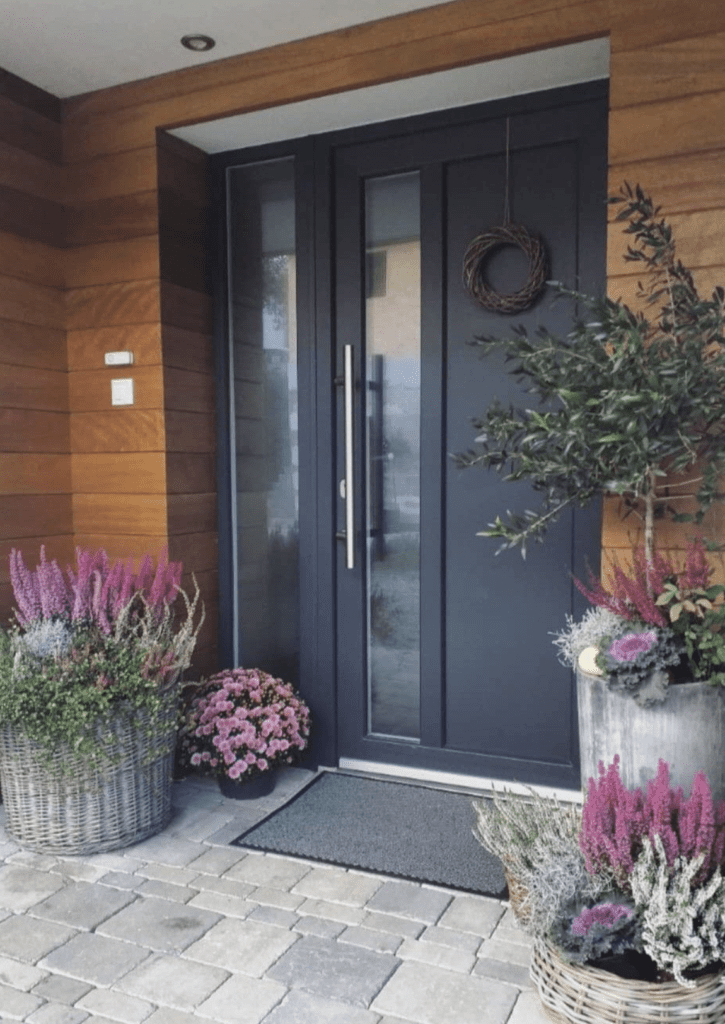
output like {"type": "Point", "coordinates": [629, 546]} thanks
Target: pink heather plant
{"type": "Point", "coordinates": [632, 596]}
{"type": "Point", "coordinates": [96, 591]}
{"type": "Point", "coordinates": [615, 820]}
{"type": "Point", "coordinates": [244, 721]}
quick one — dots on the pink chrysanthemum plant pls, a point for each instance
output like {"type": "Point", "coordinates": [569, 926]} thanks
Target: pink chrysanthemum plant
{"type": "Point", "coordinates": [90, 639]}
{"type": "Point", "coordinates": [241, 722]}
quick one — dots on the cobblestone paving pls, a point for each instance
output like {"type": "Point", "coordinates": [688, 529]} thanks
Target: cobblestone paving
{"type": "Point", "coordinates": [184, 929]}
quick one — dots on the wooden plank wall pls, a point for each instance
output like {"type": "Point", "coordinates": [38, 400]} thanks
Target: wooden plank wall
{"type": "Point", "coordinates": [667, 132]}
{"type": "Point", "coordinates": [142, 476]}
{"type": "Point", "coordinates": [35, 478]}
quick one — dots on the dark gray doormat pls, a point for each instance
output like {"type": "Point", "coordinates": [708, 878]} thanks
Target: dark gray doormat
{"type": "Point", "coordinates": [394, 828]}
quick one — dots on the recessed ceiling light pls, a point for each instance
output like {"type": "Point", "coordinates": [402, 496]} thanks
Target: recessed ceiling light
{"type": "Point", "coordinates": [198, 43]}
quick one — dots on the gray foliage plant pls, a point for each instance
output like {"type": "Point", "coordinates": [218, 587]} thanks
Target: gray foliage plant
{"type": "Point", "coordinates": [537, 840]}
{"type": "Point", "coordinates": [683, 925]}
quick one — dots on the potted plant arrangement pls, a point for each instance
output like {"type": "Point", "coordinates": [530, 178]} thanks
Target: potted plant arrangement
{"type": "Point", "coordinates": [89, 690]}
{"type": "Point", "coordinates": [240, 724]}
{"type": "Point", "coordinates": [630, 405]}
{"type": "Point", "coordinates": [627, 906]}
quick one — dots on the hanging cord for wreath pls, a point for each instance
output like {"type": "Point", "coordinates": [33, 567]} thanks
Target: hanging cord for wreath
{"type": "Point", "coordinates": [477, 253]}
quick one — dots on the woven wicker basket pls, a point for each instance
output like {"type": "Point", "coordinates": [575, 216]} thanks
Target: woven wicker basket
{"type": "Point", "coordinates": [518, 895]}
{"type": "Point", "coordinates": [573, 994]}
{"type": "Point", "coordinates": [85, 809]}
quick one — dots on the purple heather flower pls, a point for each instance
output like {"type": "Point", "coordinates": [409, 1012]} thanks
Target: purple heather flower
{"type": "Point", "coordinates": [631, 645]}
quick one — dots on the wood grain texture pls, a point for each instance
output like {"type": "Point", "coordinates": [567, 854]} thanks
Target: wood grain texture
{"type": "Point", "coordinates": [108, 177]}
{"type": "Point", "coordinates": [189, 432]}
{"type": "Point", "coordinates": [680, 183]}
{"type": "Point", "coordinates": [30, 174]}
{"type": "Point", "coordinates": [95, 134]}
{"type": "Point", "coordinates": [186, 308]}
{"type": "Point", "coordinates": [113, 305]}
{"type": "Point", "coordinates": [188, 350]}
{"type": "Point", "coordinates": [90, 390]}
{"type": "Point", "coordinates": [26, 129]}
{"type": "Point", "coordinates": [651, 22]}
{"type": "Point", "coordinates": [456, 17]}
{"type": "Point", "coordinates": [687, 124]}
{"type": "Point", "coordinates": [699, 242]}
{"type": "Point", "coordinates": [190, 473]}
{"type": "Point", "coordinates": [192, 513]}
{"type": "Point", "coordinates": [187, 391]}
{"type": "Point", "coordinates": [30, 303]}
{"type": "Point", "coordinates": [118, 472]}
{"type": "Point", "coordinates": [35, 516]}
{"type": "Point", "coordinates": [139, 514]}
{"type": "Point", "coordinates": [198, 551]}
{"type": "Point", "coordinates": [120, 430]}
{"type": "Point", "coordinates": [32, 430]}
{"type": "Point", "coordinates": [59, 548]}
{"type": "Point", "coordinates": [677, 68]}
{"type": "Point", "coordinates": [113, 219]}
{"type": "Point", "coordinates": [29, 345]}
{"type": "Point", "coordinates": [130, 260]}
{"type": "Point", "coordinates": [24, 387]}
{"type": "Point", "coordinates": [40, 474]}
{"type": "Point", "coordinates": [86, 347]}
{"type": "Point", "coordinates": [32, 216]}
{"type": "Point", "coordinates": [124, 545]}
{"type": "Point", "coordinates": [30, 260]}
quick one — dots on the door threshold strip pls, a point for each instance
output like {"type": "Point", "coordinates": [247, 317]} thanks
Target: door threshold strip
{"type": "Point", "coordinates": [470, 783]}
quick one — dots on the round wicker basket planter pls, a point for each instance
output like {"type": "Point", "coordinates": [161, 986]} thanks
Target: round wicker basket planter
{"type": "Point", "coordinates": [573, 994]}
{"type": "Point", "coordinates": [85, 809]}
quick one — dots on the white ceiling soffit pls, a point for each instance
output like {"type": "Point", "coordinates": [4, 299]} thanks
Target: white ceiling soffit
{"type": "Point", "coordinates": [512, 76]}
{"type": "Point", "coordinates": [74, 46]}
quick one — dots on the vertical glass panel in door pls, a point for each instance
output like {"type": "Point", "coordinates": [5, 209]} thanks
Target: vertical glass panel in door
{"type": "Point", "coordinates": [263, 340]}
{"type": "Point", "coordinates": [392, 420]}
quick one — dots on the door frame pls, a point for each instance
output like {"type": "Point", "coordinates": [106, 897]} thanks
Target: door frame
{"type": "Point", "coordinates": [316, 366]}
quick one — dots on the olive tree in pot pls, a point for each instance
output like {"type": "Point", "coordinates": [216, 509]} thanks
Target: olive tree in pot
{"type": "Point", "coordinates": [632, 404]}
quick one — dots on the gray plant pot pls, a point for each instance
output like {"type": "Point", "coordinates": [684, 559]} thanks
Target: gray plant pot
{"type": "Point", "coordinates": [687, 730]}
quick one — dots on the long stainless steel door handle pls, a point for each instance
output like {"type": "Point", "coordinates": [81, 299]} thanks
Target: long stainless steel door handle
{"type": "Point", "coordinates": [349, 459]}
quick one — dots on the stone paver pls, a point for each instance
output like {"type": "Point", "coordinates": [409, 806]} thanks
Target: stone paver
{"type": "Point", "coordinates": [24, 938]}
{"type": "Point", "coordinates": [185, 929]}
{"type": "Point", "coordinates": [159, 924]}
{"type": "Point", "coordinates": [242, 1000]}
{"type": "Point", "coordinates": [303, 1008]}
{"type": "Point", "coordinates": [22, 887]}
{"type": "Point", "coordinates": [327, 968]}
{"type": "Point", "coordinates": [94, 958]}
{"type": "Point", "coordinates": [102, 1002]}
{"type": "Point", "coordinates": [429, 995]}
{"type": "Point", "coordinates": [337, 886]}
{"type": "Point", "coordinates": [163, 980]}
{"type": "Point", "coordinates": [406, 899]}
{"type": "Point", "coordinates": [83, 905]}
{"type": "Point", "coordinates": [247, 946]}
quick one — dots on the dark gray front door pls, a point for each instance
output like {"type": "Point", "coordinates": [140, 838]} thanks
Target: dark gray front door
{"type": "Point", "coordinates": [444, 653]}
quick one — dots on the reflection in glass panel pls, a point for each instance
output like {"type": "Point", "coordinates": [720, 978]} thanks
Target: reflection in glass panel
{"type": "Point", "coordinates": [264, 364]}
{"type": "Point", "coordinates": [392, 285]}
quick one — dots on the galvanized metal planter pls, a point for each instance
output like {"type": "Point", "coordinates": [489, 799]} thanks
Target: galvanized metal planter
{"type": "Point", "coordinates": [687, 730]}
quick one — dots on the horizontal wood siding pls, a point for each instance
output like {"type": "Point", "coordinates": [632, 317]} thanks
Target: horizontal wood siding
{"type": "Point", "coordinates": [35, 476]}
{"type": "Point", "coordinates": [667, 97]}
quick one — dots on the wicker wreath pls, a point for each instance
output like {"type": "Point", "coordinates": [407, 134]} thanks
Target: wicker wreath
{"type": "Point", "coordinates": [474, 261]}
